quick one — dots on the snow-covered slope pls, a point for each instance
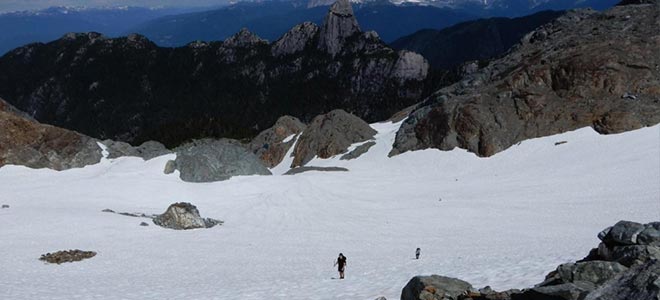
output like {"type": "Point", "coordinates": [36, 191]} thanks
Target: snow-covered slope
{"type": "Point", "coordinates": [503, 221]}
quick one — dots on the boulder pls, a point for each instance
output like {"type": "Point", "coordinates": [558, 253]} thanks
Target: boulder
{"type": "Point", "coordinates": [330, 134]}
{"type": "Point", "coordinates": [5, 206]}
{"type": "Point", "coordinates": [210, 160]}
{"type": "Point", "coordinates": [146, 151]}
{"type": "Point", "coordinates": [634, 255]}
{"type": "Point", "coordinates": [622, 233]}
{"type": "Point", "coordinates": [272, 144]}
{"type": "Point", "coordinates": [182, 216]}
{"type": "Point", "coordinates": [434, 287]}
{"type": "Point", "coordinates": [651, 235]}
{"type": "Point", "coordinates": [641, 282]}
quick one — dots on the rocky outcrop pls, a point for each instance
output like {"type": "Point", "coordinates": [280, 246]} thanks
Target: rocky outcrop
{"type": "Point", "coordinates": [585, 69]}
{"type": "Point", "coordinates": [66, 256]}
{"type": "Point", "coordinates": [26, 142]}
{"type": "Point", "coordinates": [598, 276]}
{"type": "Point", "coordinates": [210, 160]}
{"type": "Point", "coordinates": [300, 170]}
{"type": "Point", "coordinates": [183, 216]}
{"type": "Point", "coordinates": [434, 287]}
{"type": "Point", "coordinates": [271, 145]}
{"type": "Point", "coordinates": [339, 25]}
{"type": "Point", "coordinates": [358, 151]}
{"type": "Point", "coordinates": [330, 134]}
{"type": "Point", "coordinates": [130, 90]}
{"type": "Point", "coordinates": [295, 40]}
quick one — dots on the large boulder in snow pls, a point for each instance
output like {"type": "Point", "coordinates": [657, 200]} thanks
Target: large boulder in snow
{"type": "Point", "coordinates": [182, 216]}
{"type": "Point", "coordinates": [272, 144]}
{"type": "Point", "coordinates": [330, 134]}
{"type": "Point", "coordinates": [630, 243]}
{"type": "Point", "coordinates": [434, 287]}
{"type": "Point", "coordinates": [209, 160]}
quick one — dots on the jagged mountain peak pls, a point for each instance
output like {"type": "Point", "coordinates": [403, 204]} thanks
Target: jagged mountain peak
{"type": "Point", "coordinates": [244, 38]}
{"type": "Point", "coordinates": [339, 24]}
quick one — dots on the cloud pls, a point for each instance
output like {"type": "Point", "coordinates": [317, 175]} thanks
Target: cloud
{"type": "Point", "coordinates": [19, 5]}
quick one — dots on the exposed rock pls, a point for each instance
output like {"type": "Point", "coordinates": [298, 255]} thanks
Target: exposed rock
{"type": "Point", "coordinates": [271, 144]}
{"type": "Point", "coordinates": [67, 256]}
{"type": "Point", "coordinates": [26, 142]}
{"type": "Point", "coordinates": [650, 236]}
{"type": "Point", "coordinates": [637, 2]}
{"type": "Point", "coordinates": [299, 170]}
{"type": "Point", "coordinates": [5, 206]}
{"type": "Point", "coordinates": [635, 254]}
{"type": "Point", "coordinates": [622, 233]}
{"type": "Point", "coordinates": [183, 216]}
{"type": "Point", "coordinates": [210, 160]}
{"type": "Point", "coordinates": [296, 39]}
{"type": "Point", "coordinates": [640, 283]}
{"type": "Point", "coordinates": [565, 291]}
{"type": "Point", "coordinates": [144, 224]}
{"type": "Point", "coordinates": [330, 134]}
{"type": "Point", "coordinates": [410, 66]}
{"type": "Point", "coordinates": [339, 24]}
{"type": "Point", "coordinates": [146, 151]}
{"type": "Point", "coordinates": [596, 272]}
{"type": "Point", "coordinates": [244, 38]}
{"type": "Point", "coordinates": [107, 210]}
{"type": "Point", "coordinates": [565, 75]}
{"type": "Point", "coordinates": [170, 167]}
{"type": "Point", "coordinates": [358, 151]}
{"type": "Point", "coordinates": [434, 287]}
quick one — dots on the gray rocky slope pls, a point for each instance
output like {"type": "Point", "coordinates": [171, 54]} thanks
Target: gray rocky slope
{"type": "Point", "coordinates": [625, 266]}
{"type": "Point", "coordinates": [585, 69]}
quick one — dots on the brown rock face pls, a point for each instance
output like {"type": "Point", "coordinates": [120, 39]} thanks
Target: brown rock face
{"type": "Point", "coordinates": [585, 69]}
{"type": "Point", "coordinates": [24, 141]}
{"type": "Point", "coordinates": [270, 145]}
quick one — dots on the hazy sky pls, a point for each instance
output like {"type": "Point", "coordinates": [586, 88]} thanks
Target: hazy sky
{"type": "Point", "coordinates": [14, 5]}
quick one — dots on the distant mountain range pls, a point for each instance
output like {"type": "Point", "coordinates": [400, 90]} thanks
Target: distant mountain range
{"type": "Point", "coordinates": [474, 40]}
{"type": "Point", "coordinates": [25, 27]}
{"type": "Point", "coordinates": [269, 19]}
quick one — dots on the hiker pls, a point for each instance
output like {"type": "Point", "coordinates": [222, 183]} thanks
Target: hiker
{"type": "Point", "coordinates": [417, 252]}
{"type": "Point", "coordinates": [341, 262]}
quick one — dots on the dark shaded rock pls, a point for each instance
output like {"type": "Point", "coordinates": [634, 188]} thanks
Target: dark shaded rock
{"type": "Point", "coordinates": [637, 2]}
{"type": "Point", "coordinates": [270, 145]}
{"type": "Point", "coordinates": [565, 291]}
{"type": "Point", "coordinates": [244, 38]}
{"type": "Point", "coordinates": [299, 170]}
{"type": "Point", "coordinates": [107, 210]}
{"type": "Point", "coordinates": [358, 151]}
{"type": "Point", "coordinates": [5, 206]}
{"type": "Point", "coordinates": [634, 255]}
{"type": "Point", "coordinates": [26, 142]}
{"type": "Point", "coordinates": [572, 77]}
{"type": "Point", "coordinates": [210, 160]}
{"type": "Point", "coordinates": [339, 25]}
{"type": "Point", "coordinates": [650, 236]}
{"type": "Point", "coordinates": [170, 167]}
{"type": "Point", "coordinates": [330, 134]}
{"type": "Point", "coordinates": [183, 216]}
{"type": "Point", "coordinates": [641, 282]}
{"type": "Point", "coordinates": [596, 272]}
{"type": "Point", "coordinates": [434, 287]}
{"type": "Point", "coordinates": [67, 256]}
{"type": "Point", "coordinates": [144, 224]}
{"type": "Point", "coordinates": [622, 233]}
{"type": "Point", "coordinates": [146, 151]}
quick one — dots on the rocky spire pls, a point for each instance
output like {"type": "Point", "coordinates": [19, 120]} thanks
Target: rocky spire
{"type": "Point", "coordinates": [244, 38]}
{"type": "Point", "coordinates": [339, 24]}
